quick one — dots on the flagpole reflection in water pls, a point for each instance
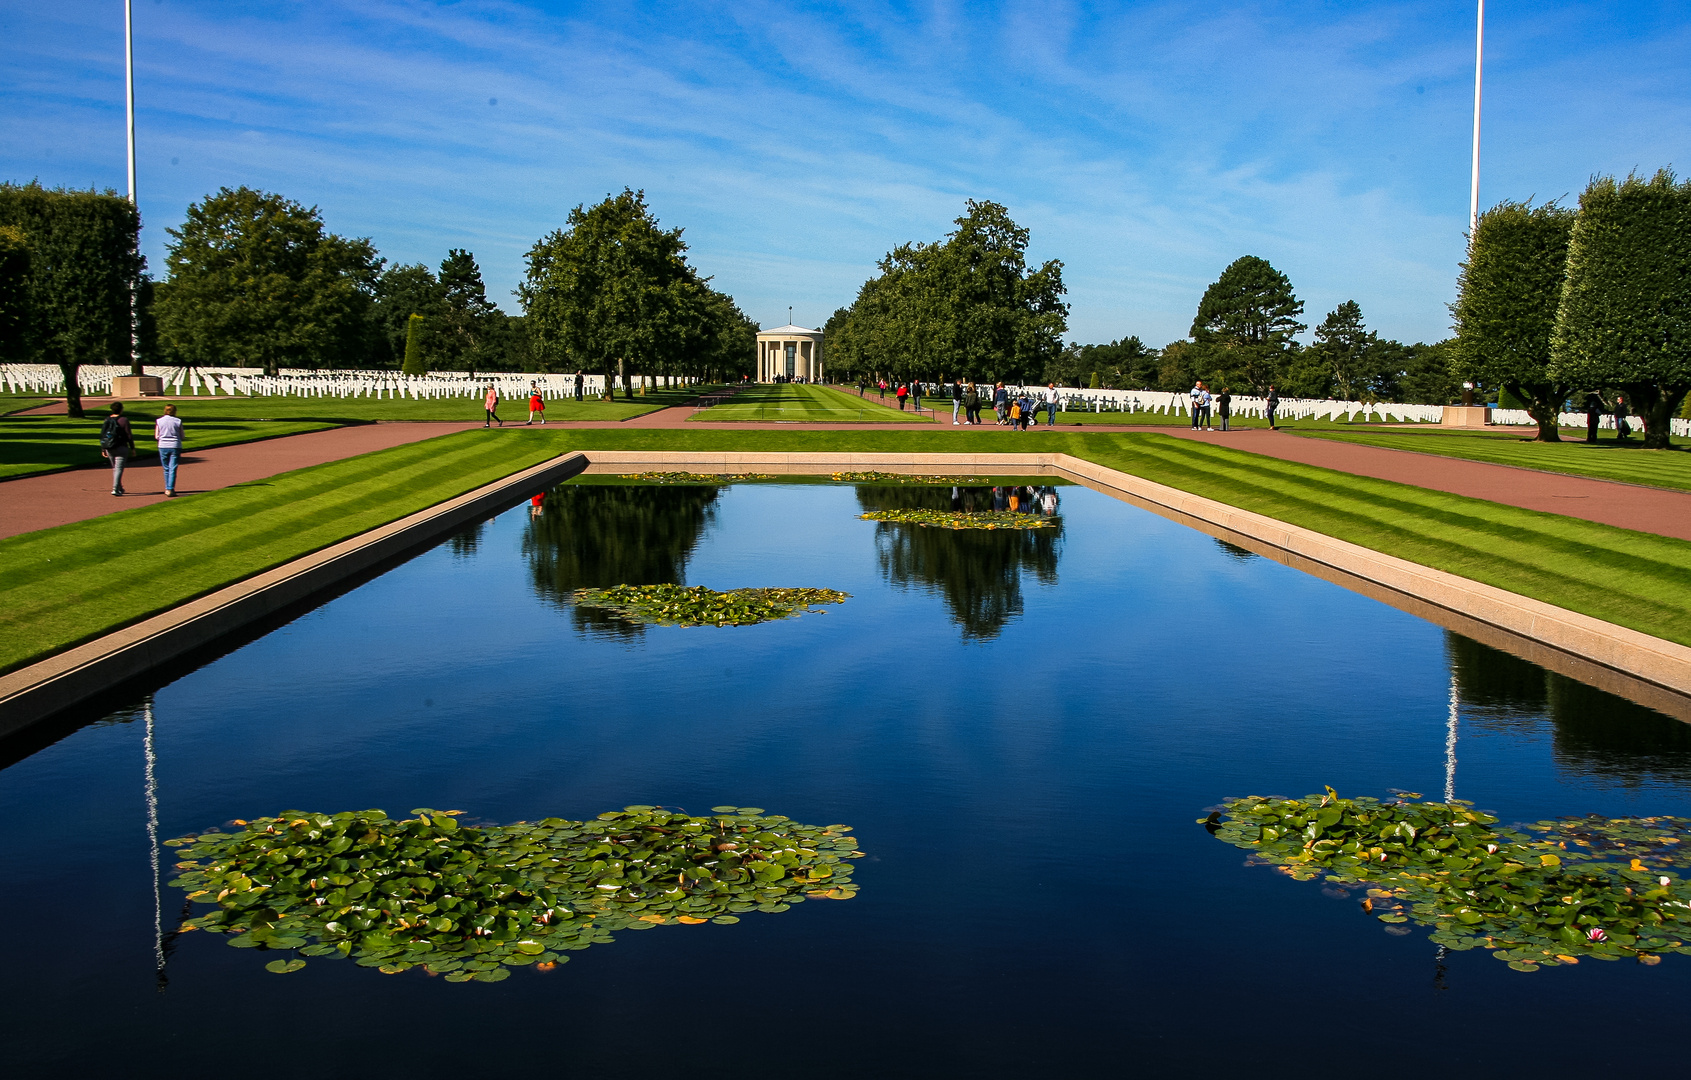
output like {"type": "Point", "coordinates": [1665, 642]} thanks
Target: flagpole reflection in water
{"type": "Point", "coordinates": [1450, 728]}
{"type": "Point", "coordinates": [153, 842]}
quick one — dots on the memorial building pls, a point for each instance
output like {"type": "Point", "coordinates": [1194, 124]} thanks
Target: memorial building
{"type": "Point", "coordinates": [789, 353]}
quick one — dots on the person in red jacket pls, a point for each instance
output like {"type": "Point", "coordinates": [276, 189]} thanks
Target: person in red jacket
{"type": "Point", "coordinates": [903, 393]}
{"type": "Point", "coordinates": [536, 404]}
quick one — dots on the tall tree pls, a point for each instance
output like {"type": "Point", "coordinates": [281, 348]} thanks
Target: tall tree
{"type": "Point", "coordinates": [255, 279]}
{"type": "Point", "coordinates": [1507, 296]}
{"type": "Point", "coordinates": [401, 291]}
{"type": "Point", "coordinates": [14, 295]}
{"type": "Point", "coordinates": [968, 305]}
{"type": "Point", "coordinates": [85, 281]}
{"type": "Point", "coordinates": [609, 291]}
{"type": "Point", "coordinates": [1351, 352]}
{"type": "Point", "coordinates": [1625, 316]}
{"type": "Point", "coordinates": [468, 319]}
{"type": "Point", "coordinates": [1246, 321]}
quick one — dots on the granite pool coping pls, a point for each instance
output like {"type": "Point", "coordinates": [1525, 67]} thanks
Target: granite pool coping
{"type": "Point", "coordinates": [1626, 662]}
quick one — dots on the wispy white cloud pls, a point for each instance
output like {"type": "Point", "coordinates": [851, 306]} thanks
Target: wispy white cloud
{"type": "Point", "coordinates": [1146, 145]}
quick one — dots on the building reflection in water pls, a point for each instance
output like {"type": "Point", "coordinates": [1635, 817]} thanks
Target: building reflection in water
{"type": "Point", "coordinates": [589, 536]}
{"type": "Point", "coordinates": [979, 573]}
{"type": "Point", "coordinates": [1594, 734]}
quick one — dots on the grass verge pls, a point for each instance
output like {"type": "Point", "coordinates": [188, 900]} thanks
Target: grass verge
{"type": "Point", "coordinates": [336, 410]}
{"type": "Point", "coordinates": [1607, 459]}
{"type": "Point", "coordinates": [64, 585]}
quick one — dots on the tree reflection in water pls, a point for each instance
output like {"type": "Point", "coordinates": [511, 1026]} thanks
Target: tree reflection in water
{"type": "Point", "coordinates": [589, 536]}
{"type": "Point", "coordinates": [978, 572]}
{"type": "Point", "coordinates": [1595, 734]}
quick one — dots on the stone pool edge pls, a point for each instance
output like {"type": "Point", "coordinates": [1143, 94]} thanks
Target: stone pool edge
{"type": "Point", "coordinates": [34, 693]}
{"type": "Point", "coordinates": [1650, 670]}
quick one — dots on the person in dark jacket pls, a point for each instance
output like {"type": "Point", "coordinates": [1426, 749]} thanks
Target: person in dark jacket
{"type": "Point", "coordinates": [972, 405]}
{"type": "Point", "coordinates": [956, 400]}
{"type": "Point", "coordinates": [1623, 431]}
{"type": "Point", "coordinates": [1593, 416]}
{"type": "Point", "coordinates": [1273, 406]}
{"type": "Point", "coordinates": [117, 442]}
{"type": "Point", "coordinates": [1224, 407]}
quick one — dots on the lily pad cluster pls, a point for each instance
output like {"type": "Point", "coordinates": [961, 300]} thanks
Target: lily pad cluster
{"type": "Point", "coordinates": [696, 605]}
{"type": "Point", "coordinates": [959, 519]}
{"type": "Point", "coordinates": [695, 478]}
{"type": "Point", "coordinates": [873, 477]}
{"type": "Point", "coordinates": [472, 902]}
{"type": "Point", "coordinates": [1593, 887]}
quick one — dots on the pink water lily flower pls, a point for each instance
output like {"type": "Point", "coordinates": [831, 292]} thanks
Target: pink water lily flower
{"type": "Point", "coordinates": [1596, 934]}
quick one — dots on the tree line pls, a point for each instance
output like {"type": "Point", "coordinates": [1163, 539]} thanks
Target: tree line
{"type": "Point", "coordinates": [256, 279]}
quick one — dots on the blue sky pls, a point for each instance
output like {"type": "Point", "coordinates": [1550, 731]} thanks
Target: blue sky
{"type": "Point", "coordinates": [1145, 145]}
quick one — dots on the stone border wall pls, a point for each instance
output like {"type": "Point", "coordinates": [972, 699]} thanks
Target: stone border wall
{"type": "Point", "coordinates": [1625, 662]}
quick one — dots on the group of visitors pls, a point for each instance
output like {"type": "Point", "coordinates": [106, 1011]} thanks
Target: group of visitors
{"type": "Point", "coordinates": [1203, 401]}
{"type": "Point", "coordinates": [117, 445]}
{"type": "Point", "coordinates": [1594, 410]}
{"type": "Point", "coordinates": [1018, 410]}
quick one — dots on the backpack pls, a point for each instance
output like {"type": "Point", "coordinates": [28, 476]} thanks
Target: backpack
{"type": "Point", "coordinates": [110, 432]}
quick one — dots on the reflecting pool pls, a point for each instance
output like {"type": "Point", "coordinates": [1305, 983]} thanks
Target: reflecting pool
{"type": "Point", "coordinates": [1019, 727]}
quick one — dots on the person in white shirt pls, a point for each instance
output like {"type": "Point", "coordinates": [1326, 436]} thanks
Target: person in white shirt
{"type": "Point", "coordinates": [167, 431]}
{"type": "Point", "coordinates": [1197, 403]}
{"type": "Point", "coordinates": [1051, 396]}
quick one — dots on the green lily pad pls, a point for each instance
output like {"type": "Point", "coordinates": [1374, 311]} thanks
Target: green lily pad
{"type": "Point", "coordinates": [472, 902]}
{"type": "Point", "coordinates": [283, 967]}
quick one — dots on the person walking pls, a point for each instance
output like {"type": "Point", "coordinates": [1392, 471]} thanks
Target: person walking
{"type": "Point", "coordinates": [1224, 407]}
{"type": "Point", "coordinates": [1051, 403]}
{"type": "Point", "coordinates": [902, 394]}
{"type": "Point", "coordinates": [536, 404]}
{"type": "Point", "coordinates": [117, 442]}
{"type": "Point", "coordinates": [1273, 403]}
{"type": "Point", "coordinates": [491, 403]}
{"type": "Point", "coordinates": [916, 395]}
{"type": "Point", "coordinates": [1001, 404]}
{"type": "Point", "coordinates": [956, 399]}
{"type": "Point", "coordinates": [1593, 416]}
{"type": "Point", "coordinates": [580, 383]}
{"type": "Point", "coordinates": [1204, 400]}
{"type": "Point", "coordinates": [1197, 403]}
{"type": "Point", "coordinates": [1623, 431]}
{"type": "Point", "coordinates": [167, 432]}
{"type": "Point", "coordinates": [972, 405]}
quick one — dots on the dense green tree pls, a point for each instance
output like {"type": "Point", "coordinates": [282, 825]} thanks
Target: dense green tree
{"type": "Point", "coordinates": [85, 282]}
{"type": "Point", "coordinates": [1362, 367]}
{"type": "Point", "coordinates": [401, 291]}
{"type": "Point", "coordinates": [1625, 316]}
{"type": "Point", "coordinates": [611, 291]}
{"type": "Point", "coordinates": [1246, 322]}
{"type": "Point", "coordinates": [415, 364]}
{"type": "Point", "coordinates": [469, 321]}
{"type": "Point", "coordinates": [965, 306]}
{"type": "Point", "coordinates": [14, 295]}
{"type": "Point", "coordinates": [1126, 364]}
{"type": "Point", "coordinates": [255, 279]}
{"type": "Point", "coordinates": [1507, 296]}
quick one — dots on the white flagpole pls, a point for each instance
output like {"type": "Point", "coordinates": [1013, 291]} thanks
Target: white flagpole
{"type": "Point", "coordinates": [129, 85]}
{"type": "Point", "coordinates": [1474, 181]}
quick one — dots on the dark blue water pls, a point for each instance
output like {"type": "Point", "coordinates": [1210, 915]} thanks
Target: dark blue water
{"type": "Point", "coordinates": [1022, 729]}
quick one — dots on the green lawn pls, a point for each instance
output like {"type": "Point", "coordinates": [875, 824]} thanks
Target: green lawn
{"type": "Point", "coordinates": [1607, 459]}
{"type": "Point", "coordinates": [67, 584]}
{"type": "Point", "coordinates": [11, 403]}
{"type": "Point", "coordinates": [37, 444]}
{"type": "Point", "coordinates": [790, 402]}
{"type": "Point", "coordinates": [63, 585]}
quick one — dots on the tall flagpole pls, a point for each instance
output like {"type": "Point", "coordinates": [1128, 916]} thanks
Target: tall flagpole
{"type": "Point", "coordinates": [129, 86]}
{"type": "Point", "coordinates": [1474, 181]}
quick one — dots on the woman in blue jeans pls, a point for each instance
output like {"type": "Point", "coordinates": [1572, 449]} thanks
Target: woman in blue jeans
{"type": "Point", "coordinates": [167, 430]}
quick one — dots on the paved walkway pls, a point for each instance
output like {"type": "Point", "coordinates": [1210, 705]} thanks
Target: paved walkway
{"type": "Point", "coordinates": [40, 502]}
